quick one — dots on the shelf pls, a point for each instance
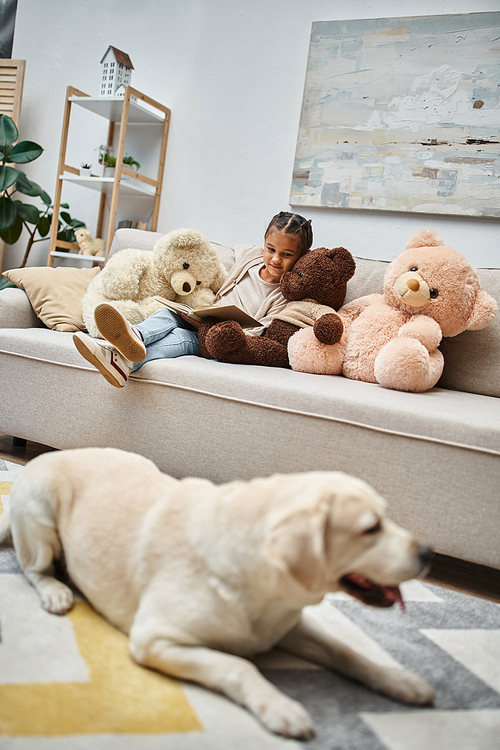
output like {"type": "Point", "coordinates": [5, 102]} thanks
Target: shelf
{"type": "Point", "coordinates": [111, 109]}
{"type": "Point", "coordinates": [93, 258]}
{"type": "Point", "coordinates": [105, 185]}
{"type": "Point", "coordinates": [134, 108]}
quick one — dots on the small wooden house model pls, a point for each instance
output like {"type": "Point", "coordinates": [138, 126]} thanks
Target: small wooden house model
{"type": "Point", "coordinates": [116, 73]}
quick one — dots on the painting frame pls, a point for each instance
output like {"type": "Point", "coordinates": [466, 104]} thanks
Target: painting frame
{"type": "Point", "coordinates": [402, 114]}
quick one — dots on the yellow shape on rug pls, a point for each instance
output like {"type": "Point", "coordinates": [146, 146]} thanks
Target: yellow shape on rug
{"type": "Point", "coordinates": [121, 697]}
{"type": "Point", "coordinates": [5, 488]}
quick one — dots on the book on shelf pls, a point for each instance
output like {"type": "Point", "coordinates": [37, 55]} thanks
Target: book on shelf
{"type": "Point", "coordinates": [222, 312]}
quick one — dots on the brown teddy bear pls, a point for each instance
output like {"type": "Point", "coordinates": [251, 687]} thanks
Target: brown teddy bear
{"type": "Point", "coordinates": [430, 291]}
{"type": "Point", "coordinates": [315, 288]}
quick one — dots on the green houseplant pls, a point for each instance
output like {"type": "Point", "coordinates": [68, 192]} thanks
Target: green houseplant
{"type": "Point", "coordinates": [131, 162]}
{"type": "Point", "coordinates": [110, 161]}
{"type": "Point", "coordinates": [15, 215]}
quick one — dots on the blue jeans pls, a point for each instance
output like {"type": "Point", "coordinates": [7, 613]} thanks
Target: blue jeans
{"type": "Point", "coordinates": [166, 335]}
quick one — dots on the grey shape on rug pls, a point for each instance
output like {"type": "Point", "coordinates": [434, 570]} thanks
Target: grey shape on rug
{"type": "Point", "coordinates": [336, 702]}
{"type": "Point", "coordinates": [8, 561]}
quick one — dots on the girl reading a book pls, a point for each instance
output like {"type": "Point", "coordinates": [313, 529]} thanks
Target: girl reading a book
{"type": "Point", "coordinates": [252, 284]}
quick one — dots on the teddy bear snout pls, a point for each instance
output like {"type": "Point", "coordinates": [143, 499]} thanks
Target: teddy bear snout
{"type": "Point", "coordinates": [292, 286]}
{"type": "Point", "coordinates": [182, 282]}
{"type": "Point", "coordinates": [412, 289]}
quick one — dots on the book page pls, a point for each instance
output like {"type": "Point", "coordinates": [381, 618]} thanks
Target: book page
{"type": "Point", "coordinates": [222, 312]}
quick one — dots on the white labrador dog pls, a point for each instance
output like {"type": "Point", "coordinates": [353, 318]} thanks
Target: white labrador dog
{"type": "Point", "coordinates": [201, 575]}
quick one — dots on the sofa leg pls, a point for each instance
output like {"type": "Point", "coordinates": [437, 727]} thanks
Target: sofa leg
{"type": "Point", "coordinates": [19, 442]}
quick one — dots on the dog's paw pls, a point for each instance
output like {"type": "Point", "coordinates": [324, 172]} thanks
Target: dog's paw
{"type": "Point", "coordinates": [56, 598]}
{"type": "Point", "coordinates": [286, 717]}
{"type": "Point", "coordinates": [410, 688]}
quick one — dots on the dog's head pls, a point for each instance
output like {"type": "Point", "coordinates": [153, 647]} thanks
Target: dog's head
{"type": "Point", "coordinates": [330, 533]}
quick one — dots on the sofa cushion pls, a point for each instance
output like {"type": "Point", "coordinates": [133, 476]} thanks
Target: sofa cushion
{"type": "Point", "coordinates": [55, 293]}
{"type": "Point", "coordinates": [368, 279]}
{"type": "Point", "coordinates": [143, 240]}
{"type": "Point", "coordinates": [471, 359]}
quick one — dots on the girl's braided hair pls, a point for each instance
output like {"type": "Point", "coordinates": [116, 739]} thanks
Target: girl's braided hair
{"type": "Point", "coordinates": [293, 224]}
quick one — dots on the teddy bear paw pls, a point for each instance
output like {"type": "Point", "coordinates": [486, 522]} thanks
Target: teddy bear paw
{"type": "Point", "coordinates": [307, 354]}
{"type": "Point", "coordinates": [226, 337]}
{"type": "Point", "coordinates": [404, 364]}
{"type": "Point", "coordinates": [424, 329]}
{"type": "Point", "coordinates": [328, 329]}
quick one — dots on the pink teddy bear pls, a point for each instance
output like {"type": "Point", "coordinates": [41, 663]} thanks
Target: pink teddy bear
{"type": "Point", "coordinates": [430, 291]}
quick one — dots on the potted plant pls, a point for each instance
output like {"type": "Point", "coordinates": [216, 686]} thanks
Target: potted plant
{"type": "Point", "coordinates": [85, 169]}
{"type": "Point", "coordinates": [16, 215]}
{"type": "Point", "coordinates": [104, 152]}
{"type": "Point", "coordinates": [109, 165]}
{"type": "Point", "coordinates": [131, 162]}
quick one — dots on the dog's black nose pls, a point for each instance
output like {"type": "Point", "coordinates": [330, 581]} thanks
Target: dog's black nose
{"type": "Point", "coordinates": [426, 555]}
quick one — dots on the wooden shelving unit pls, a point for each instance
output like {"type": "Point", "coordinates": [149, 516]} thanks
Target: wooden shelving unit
{"type": "Point", "coordinates": [137, 108]}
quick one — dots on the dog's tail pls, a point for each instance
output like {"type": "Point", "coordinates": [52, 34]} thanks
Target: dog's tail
{"type": "Point", "coordinates": [5, 526]}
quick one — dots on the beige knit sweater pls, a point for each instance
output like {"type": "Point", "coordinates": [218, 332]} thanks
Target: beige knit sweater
{"type": "Point", "coordinates": [303, 313]}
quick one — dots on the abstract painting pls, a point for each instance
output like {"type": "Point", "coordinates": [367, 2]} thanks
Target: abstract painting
{"type": "Point", "coordinates": [402, 114]}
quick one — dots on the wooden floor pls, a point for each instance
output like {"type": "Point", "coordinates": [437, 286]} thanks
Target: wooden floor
{"type": "Point", "coordinates": [458, 575]}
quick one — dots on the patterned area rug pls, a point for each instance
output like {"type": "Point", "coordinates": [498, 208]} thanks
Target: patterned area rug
{"type": "Point", "coordinates": [68, 683]}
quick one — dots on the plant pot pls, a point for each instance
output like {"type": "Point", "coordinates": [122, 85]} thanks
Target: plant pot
{"type": "Point", "coordinates": [109, 171]}
{"type": "Point", "coordinates": [85, 172]}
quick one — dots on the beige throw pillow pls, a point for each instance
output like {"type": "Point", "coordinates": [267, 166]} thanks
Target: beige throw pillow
{"type": "Point", "coordinates": [55, 294]}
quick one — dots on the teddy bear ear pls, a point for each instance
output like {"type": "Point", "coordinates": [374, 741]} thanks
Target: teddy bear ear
{"type": "Point", "coordinates": [161, 244]}
{"type": "Point", "coordinates": [424, 238]}
{"type": "Point", "coordinates": [485, 308]}
{"type": "Point", "coordinates": [342, 258]}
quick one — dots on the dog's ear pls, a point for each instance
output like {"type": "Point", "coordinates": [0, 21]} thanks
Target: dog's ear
{"type": "Point", "coordinates": [298, 547]}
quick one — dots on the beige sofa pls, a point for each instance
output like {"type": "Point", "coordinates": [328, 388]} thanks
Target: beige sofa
{"type": "Point", "coordinates": [435, 456]}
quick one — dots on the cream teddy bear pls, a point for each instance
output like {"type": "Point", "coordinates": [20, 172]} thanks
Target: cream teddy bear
{"type": "Point", "coordinates": [183, 266]}
{"type": "Point", "coordinates": [430, 291]}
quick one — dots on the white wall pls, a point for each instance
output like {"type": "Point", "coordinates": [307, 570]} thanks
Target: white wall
{"type": "Point", "coordinates": [232, 72]}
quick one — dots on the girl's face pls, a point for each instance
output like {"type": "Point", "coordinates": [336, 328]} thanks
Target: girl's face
{"type": "Point", "coordinates": [281, 250]}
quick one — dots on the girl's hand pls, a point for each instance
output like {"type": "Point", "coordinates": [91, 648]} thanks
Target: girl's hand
{"type": "Point", "coordinates": [194, 323]}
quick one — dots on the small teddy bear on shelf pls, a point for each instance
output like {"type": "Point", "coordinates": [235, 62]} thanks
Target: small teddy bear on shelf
{"type": "Point", "coordinates": [87, 245]}
{"type": "Point", "coordinates": [430, 291]}
{"type": "Point", "coordinates": [183, 266]}
{"type": "Point", "coordinates": [315, 288]}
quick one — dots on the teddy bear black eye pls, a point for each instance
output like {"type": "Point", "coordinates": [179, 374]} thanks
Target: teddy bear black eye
{"type": "Point", "coordinates": [301, 274]}
{"type": "Point", "coordinates": [198, 283]}
{"type": "Point", "coordinates": [415, 268]}
{"type": "Point", "coordinates": [185, 265]}
{"type": "Point", "coordinates": [433, 293]}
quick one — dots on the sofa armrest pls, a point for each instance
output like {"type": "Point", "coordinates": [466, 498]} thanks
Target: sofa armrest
{"type": "Point", "coordinates": [16, 310]}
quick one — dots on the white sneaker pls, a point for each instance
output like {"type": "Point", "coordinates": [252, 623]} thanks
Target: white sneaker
{"type": "Point", "coordinates": [110, 363]}
{"type": "Point", "coordinates": [116, 329]}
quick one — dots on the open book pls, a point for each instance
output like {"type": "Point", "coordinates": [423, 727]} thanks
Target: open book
{"type": "Point", "coordinates": [222, 312]}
